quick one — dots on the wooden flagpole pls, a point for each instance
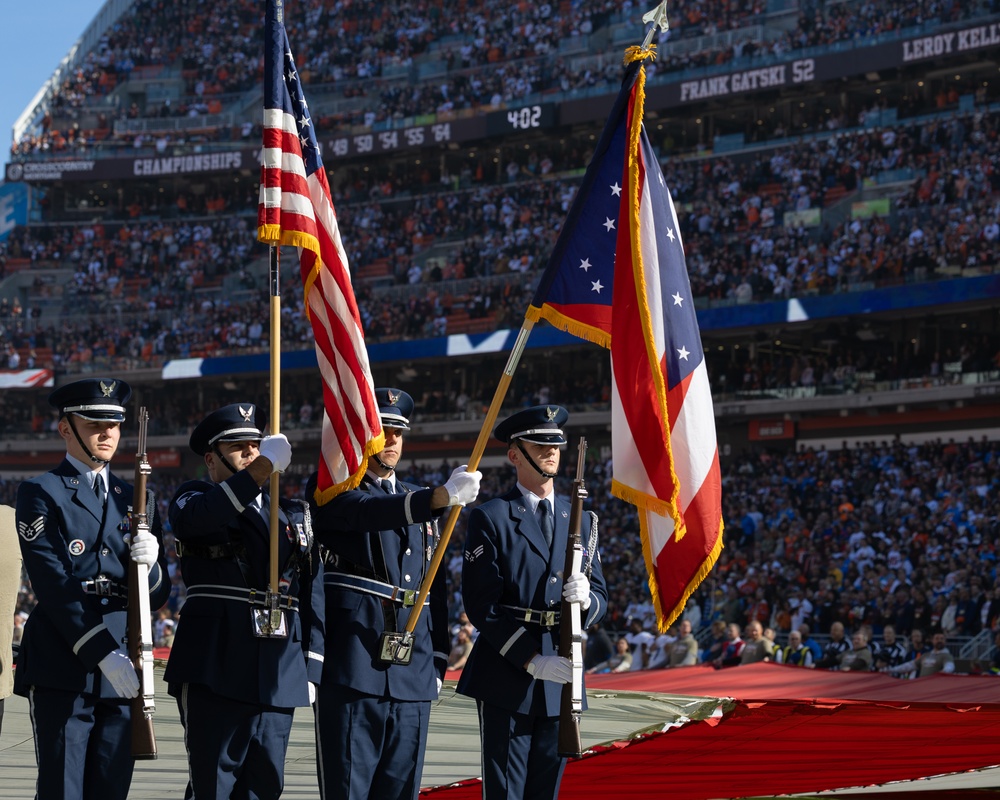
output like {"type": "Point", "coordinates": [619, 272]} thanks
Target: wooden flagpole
{"type": "Point", "coordinates": [275, 344]}
{"type": "Point", "coordinates": [474, 459]}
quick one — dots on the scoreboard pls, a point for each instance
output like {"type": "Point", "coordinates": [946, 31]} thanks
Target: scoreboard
{"type": "Point", "coordinates": [503, 122]}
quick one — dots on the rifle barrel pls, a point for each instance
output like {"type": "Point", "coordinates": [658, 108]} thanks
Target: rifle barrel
{"type": "Point", "coordinates": [139, 625]}
{"type": "Point", "coordinates": [570, 628]}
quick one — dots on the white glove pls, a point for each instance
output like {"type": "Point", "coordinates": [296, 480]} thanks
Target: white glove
{"type": "Point", "coordinates": [577, 590]}
{"type": "Point", "coordinates": [144, 548]}
{"type": "Point", "coordinates": [119, 670]}
{"type": "Point", "coordinates": [551, 668]}
{"type": "Point", "coordinates": [462, 486]}
{"type": "Point", "coordinates": [277, 450]}
{"type": "Point", "coordinates": [440, 684]}
{"type": "Point", "coordinates": [312, 693]}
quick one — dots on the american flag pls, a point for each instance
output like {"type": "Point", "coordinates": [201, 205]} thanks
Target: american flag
{"type": "Point", "coordinates": [296, 208]}
{"type": "Point", "coordinates": [618, 277]}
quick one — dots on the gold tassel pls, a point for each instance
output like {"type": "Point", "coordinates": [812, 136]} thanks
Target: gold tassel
{"type": "Point", "coordinates": [637, 53]}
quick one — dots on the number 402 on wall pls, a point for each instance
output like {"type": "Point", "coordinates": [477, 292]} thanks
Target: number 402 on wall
{"type": "Point", "coordinates": [541, 115]}
{"type": "Point", "coordinates": [527, 117]}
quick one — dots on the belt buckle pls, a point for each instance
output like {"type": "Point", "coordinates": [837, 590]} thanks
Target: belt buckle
{"type": "Point", "coordinates": [409, 598]}
{"type": "Point", "coordinates": [527, 615]}
{"type": "Point", "coordinates": [548, 618]}
{"type": "Point", "coordinates": [102, 587]}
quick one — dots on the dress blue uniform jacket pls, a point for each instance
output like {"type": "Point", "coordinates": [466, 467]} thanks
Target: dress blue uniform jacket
{"type": "Point", "coordinates": [64, 542]}
{"type": "Point", "coordinates": [214, 644]}
{"type": "Point", "coordinates": [367, 531]}
{"type": "Point", "coordinates": [508, 563]}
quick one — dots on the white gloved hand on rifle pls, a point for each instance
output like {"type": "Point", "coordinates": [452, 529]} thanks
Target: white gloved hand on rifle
{"type": "Point", "coordinates": [144, 549]}
{"type": "Point", "coordinates": [551, 668]}
{"type": "Point", "coordinates": [577, 590]}
{"type": "Point", "coordinates": [120, 672]}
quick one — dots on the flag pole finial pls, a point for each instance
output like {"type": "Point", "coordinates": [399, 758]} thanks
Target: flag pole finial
{"type": "Point", "coordinates": [658, 16]}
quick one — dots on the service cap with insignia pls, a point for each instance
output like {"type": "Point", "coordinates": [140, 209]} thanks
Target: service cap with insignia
{"type": "Point", "coordinates": [538, 425]}
{"type": "Point", "coordinates": [238, 422]}
{"type": "Point", "coordinates": [95, 399]}
{"type": "Point", "coordinates": [394, 407]}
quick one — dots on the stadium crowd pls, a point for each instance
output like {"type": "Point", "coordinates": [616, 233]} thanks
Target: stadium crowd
{"type": "Point", "coordinates": [373, 61]}
{"type": "Point", "coordinates": [169, 288]}
{"type": "Point", "coordinates": [868, 546]}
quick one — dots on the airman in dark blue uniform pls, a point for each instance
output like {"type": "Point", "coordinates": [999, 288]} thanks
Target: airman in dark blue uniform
{"type": "Point", "coordinates": [513, 587]}
{"type": "Point", "coordinates": [238, 667]}
{"type": "Point", "coordinates": [73, 666]}
{"type": "Point", "coordinates": [372, 714]}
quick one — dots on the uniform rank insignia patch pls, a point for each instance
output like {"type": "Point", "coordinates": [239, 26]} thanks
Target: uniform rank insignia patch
{"type": "Point", "coordinates": [182, 500]}
{"type": "Point", "coordinates": [472, 555]}
{"type": "Point", "coordinates": [31, 531]}
{"type": "Point", "coordinates": [76, 547]}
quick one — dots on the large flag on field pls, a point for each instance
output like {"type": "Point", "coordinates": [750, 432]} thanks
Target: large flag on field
{"type": "Point", "coordinates": [618, 277]}
{"type": "Point", "coordinates": [295, 208]}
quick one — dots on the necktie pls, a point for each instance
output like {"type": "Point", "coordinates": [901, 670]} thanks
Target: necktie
{"type": "Point", "coordinates": [99, 489]}
{"type": "Point", "coordinates": [387, 486]}
{"type": "Point", "coordinates": [545, 521]}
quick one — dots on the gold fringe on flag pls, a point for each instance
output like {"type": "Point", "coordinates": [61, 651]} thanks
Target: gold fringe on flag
{"type": "Point", "coordinates": [571, 326]}
{"type": "Point", "coordinates": [376, 445]}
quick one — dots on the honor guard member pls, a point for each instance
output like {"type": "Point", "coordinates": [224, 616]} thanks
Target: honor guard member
{"type": "Point", "coordinates": [512, 587]}
{"type": "Point", "coordinates": [239, 665]}
{"type": "Point", "coordinates": [73, 526]}
{"type": "Point", "coordinates": [379, 539]}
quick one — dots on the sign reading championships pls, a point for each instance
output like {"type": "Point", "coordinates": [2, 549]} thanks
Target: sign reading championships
{"type": "Point", "coordinates": [135, 167]}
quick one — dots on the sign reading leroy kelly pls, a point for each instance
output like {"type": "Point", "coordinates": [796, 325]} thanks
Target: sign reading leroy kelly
{"type": "Point", "coordinates": [134, 167]}
{"type": "Point", "coordinates": [942, 44]}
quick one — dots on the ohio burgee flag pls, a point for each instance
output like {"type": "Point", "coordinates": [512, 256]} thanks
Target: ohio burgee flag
{"type": "Point", "coordinates": [617, 276]}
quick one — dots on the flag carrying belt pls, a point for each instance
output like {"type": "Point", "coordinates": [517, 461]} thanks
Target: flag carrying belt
{"type": "Point", "coordinates": [255, 597]}
{"type": "Point", "coordinates": [380, 589]}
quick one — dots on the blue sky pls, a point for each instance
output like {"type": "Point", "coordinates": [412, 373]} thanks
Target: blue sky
{"type": "Point", "coordinates": [38, 33]}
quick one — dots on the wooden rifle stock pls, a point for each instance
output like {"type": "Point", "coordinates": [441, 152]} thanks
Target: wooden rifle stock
{"type": "Point", "coordinates": [570, 633]}
{"type": "Point", "coordinates": [140, 629]}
